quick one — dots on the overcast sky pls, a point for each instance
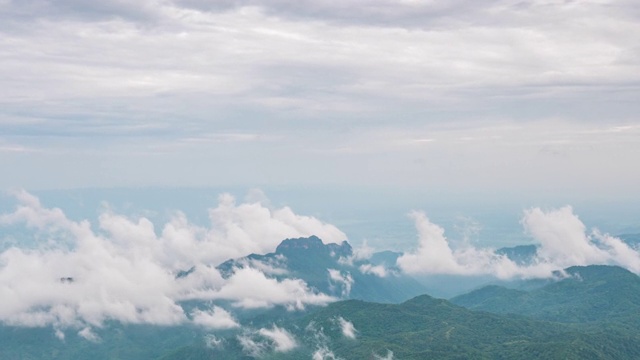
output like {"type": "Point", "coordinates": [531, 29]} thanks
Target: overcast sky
{"type": "Point", "coordinates": [502, 95]}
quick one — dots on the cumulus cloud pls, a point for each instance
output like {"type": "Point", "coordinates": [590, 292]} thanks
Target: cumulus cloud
{"type": "Point", "coordinates": [562, 239]}
{"type": "Point", "coordinates": [377, 270]}
{"type": "Point", "coordinates": [565, 241]}
{"type": "Point", "coordinates": [435, 256]}
{"type": "Point", "coordinates": [282, 340]}
{"type": "Point", "coordinates": [214, 318]}
{"type": "Point", "coordinates": [250, 288]}
{"type": "Point", "coordinates": [80, 275]}
{"type": "Point", "coordinates": [562, 236]}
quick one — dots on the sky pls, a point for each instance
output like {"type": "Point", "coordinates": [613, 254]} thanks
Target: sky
{"type": "Point", "coordinates": [502, 117]}
{"type": "Point", "coordinates": [499, 98]}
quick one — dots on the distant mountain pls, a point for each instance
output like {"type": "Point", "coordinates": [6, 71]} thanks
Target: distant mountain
{"type": "Point", "coordinates": [331, 269]}
{"type": "Point", "coordinates": [594, 293]}
{"type": "Point", "coordinates": [525, 254]}
{"type": "Point", "coordinates": [632, 240]}
{"type": "Point", "coordinates": [521, 254]}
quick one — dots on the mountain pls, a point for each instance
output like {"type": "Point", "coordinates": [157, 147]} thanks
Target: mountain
{"type": "Point", "coordinates": [587, 294]}
{"type": "Point", "coordinates": [526, 254]}
{"type": "Point", "coordinates": [428, 328]}
{"type": "Point", "coordinates": [593, 310]}
{"type": "Point", "coordinates": [521, 254]}
{"type": "Point", "coordinates": [332, 269]}
{"type": "Point", "coordinates": [632, 240]}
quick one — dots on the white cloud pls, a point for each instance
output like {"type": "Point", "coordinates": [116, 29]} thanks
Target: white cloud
{"type": "Point", "coordinates": [344, 280]}
{"type": "Point", "coordinates": [377, 270]}
{"type": "Point", "coordinates": [562, 238]}
{"type": "Point", "coordinates": [214, 318]}
{"type": "Point", "coordinates": [435, 256]}
{"type": "Point", "coordinates": [213, 342]}
{"type": "Point", "coordinates": [564, 241]}
{"type": "Point", "coordinates": [347, 328]}
{"type": "Point", "coordinates": [283, 340]}
{"type": "Point", "coordinates": [124, 271]}
{"type": "Point", "coordinates": [323, 353]}
{"type": "Point", "coordinates": [251, 288]}
{"type": "Point", "coordinates": [389, 356]}
{"type": "Point", "coordinates": [88, 334]}
{"type": "Point", "coordinates": [256, 343]}
{"type": "Point", "coordinates": [251, 346]}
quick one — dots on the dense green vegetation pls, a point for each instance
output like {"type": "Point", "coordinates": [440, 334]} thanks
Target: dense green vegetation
{"type": "Point", "coordinates": [591, 294]}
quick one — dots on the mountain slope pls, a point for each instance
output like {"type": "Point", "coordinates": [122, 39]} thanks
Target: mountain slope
{"type": "Point", "coordinates": [331, 269]}
{"type": "Point", "coordinates": [594, 293]}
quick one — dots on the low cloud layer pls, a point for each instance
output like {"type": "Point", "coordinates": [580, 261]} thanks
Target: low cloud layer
{"type": "Point", "coordinates": [562, 238]}
{"type": "Point", "coordinates": [79, 275]}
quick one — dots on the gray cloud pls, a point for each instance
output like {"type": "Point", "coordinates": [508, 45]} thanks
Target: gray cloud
{"type": "Point", "coordinates": [147, 85]}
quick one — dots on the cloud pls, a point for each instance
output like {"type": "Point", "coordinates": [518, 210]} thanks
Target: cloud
{"type": "Point", "coordinates": [214, 318]}
{"type": "Point", "coordinates": [247, 222]}
{"type": "Point", "coordinates": [565, 241]}
{"type": "Point", "coordinates": [562, 236]}
{"type": "Point", "coordinates": [322, 352]}
{"type": "Point", "coordinates": [242, 289]}
{"type": "Point", "coordinates": [344, 280]}
{"type": "Point", "coordinates": [213, 342]}
{"type": "Point", "coordinates": [88, 334]}
{"type": "Point", "coordinates": [79, 274]}
{"type": "Point", "coordinates": [435, 256]}
{"type": "Point", "coordinates": [308, 83]}
{"type": "Point", "coordinates": [347, 328]}
{"type": "Point", "coordinates": [256, 343]}
{"type": "Point", "coordinates": [283, 340]}
{"type": "Point", "coordinates": [389, 356]}
{"type": "Point", "coordinates": [562, 240]}
{"type": "Point", "coordinates": [251, 346]}
{"type": "Point", "coordinates": [377, 270]}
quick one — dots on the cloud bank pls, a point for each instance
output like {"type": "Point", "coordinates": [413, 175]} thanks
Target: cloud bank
{"type": "Point", "coordinates": [80, 274]}
{"type": "Point", "coordinates": [562, 239]}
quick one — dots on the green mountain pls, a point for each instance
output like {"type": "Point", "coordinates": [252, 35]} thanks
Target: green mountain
{"type": "Point", "coordinates": [313, 261]}
{"type": "Point", "coordinates": [429, 328]}
{"type": "Point", "coordinates": [593, 309]}
{"type": "Point", "coordinates": [587, 294]}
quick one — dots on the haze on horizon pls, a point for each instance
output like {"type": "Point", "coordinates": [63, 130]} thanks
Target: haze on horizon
{"type": "Point", "coordinates": [507, 98]}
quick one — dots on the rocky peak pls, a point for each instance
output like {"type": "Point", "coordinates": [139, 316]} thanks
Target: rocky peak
{"type": "Point", "coordinates": [313, 243]}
